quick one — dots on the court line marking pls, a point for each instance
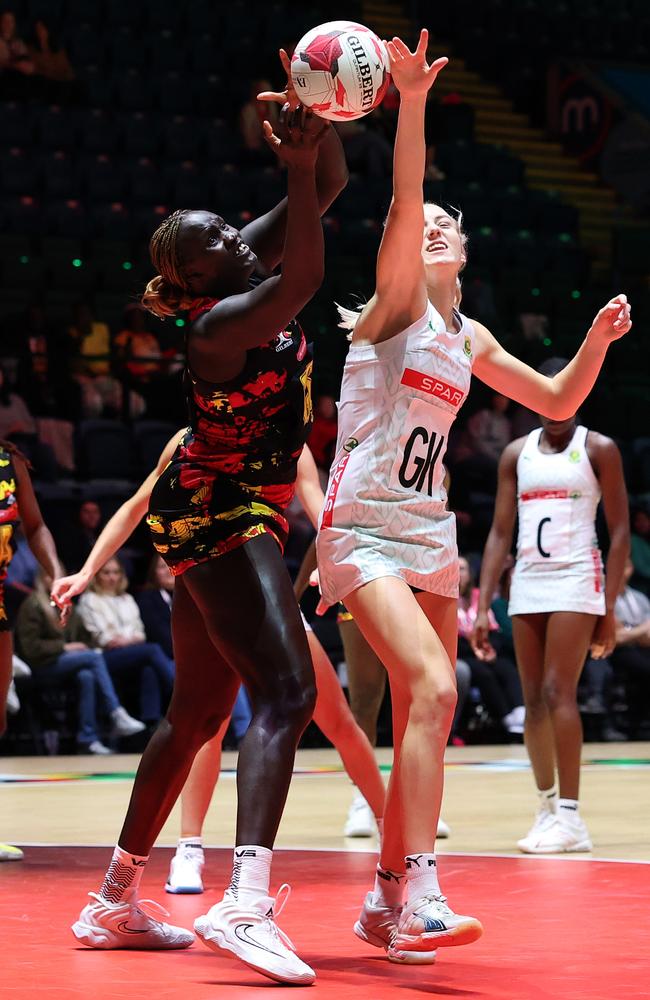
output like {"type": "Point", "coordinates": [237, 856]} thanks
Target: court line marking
{"type": "Point", "coordinates": [368, 850]}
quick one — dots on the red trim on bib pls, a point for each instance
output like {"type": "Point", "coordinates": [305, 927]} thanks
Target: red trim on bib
{"type": "Point", "coordinates": [546, 495]}
{"type": "Point", "coordinates": [330, 499]}
{"type": "Point", "coordinates": [432, 386]}
{"type": "Point", "coordinates": [598, 571]}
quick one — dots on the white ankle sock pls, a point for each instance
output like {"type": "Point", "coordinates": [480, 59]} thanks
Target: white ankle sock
{"type": "Point", "coordinates": [194, 842]}
{"type": "Point", "coordinates": [251, 873]}
{"type": "Point", "coordinates": [568, 809]}
{"type": "Point", "coordinates": [421, 875]}
{"type": "Point", "coordinates": [124, 873]}
{"type": "Point", "coordinates": [389, 887]}
{"type": "Point", "coordinates": [548, 798]}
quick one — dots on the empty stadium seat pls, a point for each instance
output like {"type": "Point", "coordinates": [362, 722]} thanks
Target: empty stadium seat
{"type": "Point", "coordinates": [105, 450]}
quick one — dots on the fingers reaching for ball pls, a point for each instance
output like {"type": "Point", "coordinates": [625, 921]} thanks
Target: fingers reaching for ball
{"type": "Point", "coordinates": [613, 320]}
{"type": "Point", "coordinates": [288, 95]}
{"type": "Point", "coordinates": [411, 73]}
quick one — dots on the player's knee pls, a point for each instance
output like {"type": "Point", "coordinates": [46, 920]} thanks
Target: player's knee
{"type": "Point", "coordinates": [294, 707]}
{"type": "Point", "coordinates": [555, 694]}
{"type": "Point", "coordinates": [433, 703]}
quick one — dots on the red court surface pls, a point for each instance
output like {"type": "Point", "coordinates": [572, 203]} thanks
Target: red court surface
{"type": "Point", "coordinates": [553, 929]}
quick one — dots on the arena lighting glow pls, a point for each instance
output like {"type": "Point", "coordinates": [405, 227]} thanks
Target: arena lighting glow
{"type": "Point", "coordinates": [180, 322]}
{"type": "Point", "coordinates": [24, 259]}
{"type": "Point", "coordinates": [127, 265]}
{"type": "Point", "coordinates": [535, 292]}
{"type": "Point", "coordinates": [485, 230]}
{"type": "Point", "coordinates": [77, 262]}
{"type": "Point", "coordinates": [575, 294]}
{"type": "Point", "coordinates": [547, 341]}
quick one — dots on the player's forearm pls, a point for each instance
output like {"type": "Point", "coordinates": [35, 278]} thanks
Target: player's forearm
{"type": "Point", "coordinates": [331, 169]}
{"type": "Point", "coordinates": [42, 545]}
{"type": "Point", "coordinates": [496, 550]}
{"type": "Point", "coordinates": [410, 149]}
{"type": "Point", "coordinates": [619, 550]}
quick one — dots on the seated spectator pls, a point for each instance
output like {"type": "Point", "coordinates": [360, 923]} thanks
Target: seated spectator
{"type": "Point", "coordinates": [137, 346]}
{"type": "Point", "coordinates": [113, 619]}
{"type": "Point", "coordinates": [21, 574]}
{"type": "Point", "coordinates": [631, 657]}
{"type": "Point", "coordinates": [15, 64]}
{"type": "Point", "coordinates": [15, 417]}
{"type": "Point", "coordinates": [155, 604]}
{"type": "Point", "coordinates": [52, 68]}
{"type": "Point", "coordinates": [496, 677]}
{"type": "Point", "coordinates": [76, 543]}
{"type": "Point", "coordinates": [640, 546]}
{"type": "Point", "coordinates": [89, 344]}
{"type": "Point", "coordinates": [251, 116]}
{"type": "Point", "coordinates": [367, 151]}
{"type": "Point", "coordinates": [43, 377]}
{"type": "Point", "coordinates": [58, 652]}
{"type": "Point", "coordinates": [489, 429]}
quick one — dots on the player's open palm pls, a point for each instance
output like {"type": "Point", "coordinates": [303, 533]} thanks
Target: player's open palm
{"type": "Point", "coordinates": [298, 136]}
{"type": "Point", "coordinates": [613, 320]}
{"type": "Point", "coordinates": [411, 72]}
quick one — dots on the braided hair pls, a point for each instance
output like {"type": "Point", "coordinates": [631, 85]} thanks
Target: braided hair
{"type": "Point", "coordinates": [167, 293]}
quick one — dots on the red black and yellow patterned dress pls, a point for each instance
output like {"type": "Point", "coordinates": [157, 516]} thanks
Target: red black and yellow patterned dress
{"type": "Point", "coordinates": [9, 518]}
{"type": "Point", "coordinates": [233, 474]}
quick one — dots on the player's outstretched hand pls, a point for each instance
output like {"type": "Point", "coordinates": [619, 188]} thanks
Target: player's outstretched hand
{"type": "Point", "coordinates": [613, 320]}
{"type": "Point", "coordinates": [299, 135]}
{"type": "Point", "coordinates": [480, 639]}
{"type": "Point", "coordinates": [410, 71]}
{"type": "Point", "coordinates": [286, 96]}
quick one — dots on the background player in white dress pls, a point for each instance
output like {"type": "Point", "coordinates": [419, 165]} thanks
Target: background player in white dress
{"type": "Point", "coordinates": [385, 527]}
{"type": "Point", "coordinates": [561, 603]}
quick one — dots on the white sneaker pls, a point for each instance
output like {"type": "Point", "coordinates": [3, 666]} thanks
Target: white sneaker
{"type": "Point", "coordinates": [252, 935]}
{"type": "Point", "coordinates": [124, 724]}
{"type": "Point", "coordinates": [377, 925]}
{"type": "Point", "coordinates": [428, 922]}
{"type": "Point", "coordinates": [443, 830]}
{"type": "Point", "coordinates": [126, 925]}
{"type": "Point", "coordinates": [514, 721]}
{"type": "Point", "coordinates": [544, 818]}
{"type": "Point", "coordinates": [360, 821]}
{"type": "Point", "coordinates": [98, 748]}
{"type": "Point", "coordinates": [10, 853]}
{"type": "Point", "coordinates": [186, 870]}
{"type": "Point", "coordinates": [560, 836]}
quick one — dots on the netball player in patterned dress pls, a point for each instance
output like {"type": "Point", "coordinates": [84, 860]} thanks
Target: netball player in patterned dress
{"type": "Point", "coordinates": [217, 517]}
{"type": "Point", "coordinates": [17, 504]}
{"type": "Point", "coordinates": [560, 602]}
{"type": "Point", "coordinates": [386, 544]}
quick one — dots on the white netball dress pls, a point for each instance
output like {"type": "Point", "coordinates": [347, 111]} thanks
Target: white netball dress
{"type": "Point", "coordinates": [385, 510]}
{"type": "Point", "coordinates": [559, 565]}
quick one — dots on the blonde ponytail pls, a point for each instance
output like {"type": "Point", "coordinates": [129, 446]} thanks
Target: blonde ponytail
{"type": "Point", "coordinates": [164, 299]}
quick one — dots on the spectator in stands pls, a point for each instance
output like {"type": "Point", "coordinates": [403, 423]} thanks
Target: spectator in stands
{"type": "Point", "coordinates": [251, 117]}
{"type": "Point", "coordinates": [113, 618]}
{"type": "Point", "coordinates": [21, 574]}
{"type": "Point", "coordinates": [155, 604]}
{"type": "Point", "coordinates": [15, 417]}
{"type": "Point", "coordinates": [15, 64]}
{"type": "Point", "coordinates": [80, 536]}
{"type": "Point", "coordinates": [52, 68]}
{"type": "Point", "coordinates": [57, 653]}
{"type": "Point", "coordinates": [489, 429]}
{"type": "Point", "coordinates": [89, 344]}
{"type": "Point", "coordinates": [43, 377]}
{"type": "Point", "coordinates": [640, 546]}
{"type": "Point", "coordinates": [495, 675]}
{"type": "Point", "coordinates": [631, 657]}
{"type": "Point", "coordinates": [137, 346]}
{"type": "Point", "coordinates": [322, 437]}
{"type": "Point", "coordinates": [366, 151]}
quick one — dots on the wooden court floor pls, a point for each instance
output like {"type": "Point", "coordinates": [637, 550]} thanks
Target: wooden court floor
{"type": "Point", "coordinates": [489, 800]}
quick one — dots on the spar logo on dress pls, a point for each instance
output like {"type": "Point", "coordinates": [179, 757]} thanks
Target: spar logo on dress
{"type": "Point", "coordinates": [432, 386]}
{"type": "Point", "coordinates": [283, 341]}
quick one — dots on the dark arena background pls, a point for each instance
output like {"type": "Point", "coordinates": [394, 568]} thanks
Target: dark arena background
{"type": "Point", "coordinates": [114, 113]}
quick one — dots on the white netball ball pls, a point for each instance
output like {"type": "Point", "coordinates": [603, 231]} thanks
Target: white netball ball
{"type": "Point", "coordinates": [340, 70]}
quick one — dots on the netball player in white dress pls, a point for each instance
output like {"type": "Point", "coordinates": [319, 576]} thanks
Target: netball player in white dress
{"type": "Point", "coordinates": [385, 527]}
{"type": "Point", "coordinates": [561, 602]}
